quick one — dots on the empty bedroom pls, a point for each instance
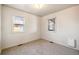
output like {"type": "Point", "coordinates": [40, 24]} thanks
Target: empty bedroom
{"type": "Point", "coordinates": [39, 29]}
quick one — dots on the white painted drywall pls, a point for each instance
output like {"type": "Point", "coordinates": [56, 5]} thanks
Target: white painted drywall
{"type": "Point", "coordinates": [66, 27]}
{"type": "Point", "coordinates": [10, 38]}
{"type": "Point", "coordinates": [0, 28]}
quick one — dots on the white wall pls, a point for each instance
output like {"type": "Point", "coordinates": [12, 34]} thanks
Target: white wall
{"type": "Point", "coordinates": [0, 28]}
{"type": "Point", "coordinates": [67, 26]}
{"type": "Point", "coordinates": [10, 38]}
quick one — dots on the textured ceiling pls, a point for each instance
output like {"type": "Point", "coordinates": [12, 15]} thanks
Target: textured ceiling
{"type": "Point", "coordinates": [47, 8]}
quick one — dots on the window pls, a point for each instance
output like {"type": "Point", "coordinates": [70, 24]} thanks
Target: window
{"type": "Point", "coordinates": [18, 24]}
{"type": "Point", "coordinates": [51, 24]}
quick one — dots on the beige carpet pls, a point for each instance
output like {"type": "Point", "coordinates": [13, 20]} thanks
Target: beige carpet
{"type": "Point", "coordinates": [40, 47]}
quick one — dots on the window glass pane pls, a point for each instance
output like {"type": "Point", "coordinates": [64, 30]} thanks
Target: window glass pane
{"type": "Point", "coordinates": [18, 24]}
